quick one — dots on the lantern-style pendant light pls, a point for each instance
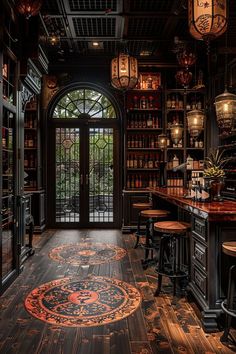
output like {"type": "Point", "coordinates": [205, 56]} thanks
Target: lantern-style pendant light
{"type": "Point", "coordinates": [207, 19]}
{"type": "Point", "coordinates": [162, 141]}
{"type": "Point", "coordinates": [28, 8]}
{"type": "Point", "coordinates": [225, 111]}
{"type": "Point", "coordinates": [176, 132]}
{"type": "Point", "coordinates": [124, 72]}
{"type": "Point", "coordinates": [195, 121]}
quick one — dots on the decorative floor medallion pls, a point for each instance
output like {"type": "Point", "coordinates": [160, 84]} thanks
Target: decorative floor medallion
{"type": "Point", "coordinates": [85, 253]}
{"type": "Point", "coordinates": [75, 302]}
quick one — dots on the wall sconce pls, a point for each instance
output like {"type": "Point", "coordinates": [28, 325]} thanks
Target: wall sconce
{"type": "Point", "coordinates": [162, 141]}
{"type": "Point", "coordinates": [124, 72]}
{"type": "Point", "coordinates": [195, 122]}
{"type": "Point", "coordinates": [225, 111]}
{"type": "Point", "coordinates": [176, 132]}
{"type": "Point", "coordinates": [207, 19]}
{"type": "Point", "coordinates": [28, 8]}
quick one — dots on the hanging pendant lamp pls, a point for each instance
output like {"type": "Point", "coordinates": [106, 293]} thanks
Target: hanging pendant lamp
{"type": "Point", "coordinates": [207, 19]}
{"type": "Point", "coordinates": [28, 8]}
{"type": "Point", "coordinates": [124, 72]}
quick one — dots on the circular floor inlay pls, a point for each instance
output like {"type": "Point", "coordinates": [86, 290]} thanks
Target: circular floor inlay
{"type": "Point", "coordinates": [75, 302]}
{"type": "Point", "coordinates": [85, 253]}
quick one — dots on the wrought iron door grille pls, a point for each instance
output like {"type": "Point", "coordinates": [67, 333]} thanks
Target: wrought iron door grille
{"type": "Point", "coordinates": [67, 174]}
{"type": "Point", "coordinates": [101, 175]}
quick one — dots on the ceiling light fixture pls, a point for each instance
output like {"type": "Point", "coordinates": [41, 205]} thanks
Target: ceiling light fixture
{"type": "Point", "coordinates": [207, 19]}
{"type": "Point", "coordinates": [28, 8]}
{"type": "Point", "coordinates": [124, 72]}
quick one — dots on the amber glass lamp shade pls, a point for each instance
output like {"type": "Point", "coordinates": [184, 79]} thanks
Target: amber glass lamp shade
{"type": "Point", "coordinates": [195, 121]}
{"type": "Point", "coordinates": [207, 19]}
{"type": "Point", "coordinates": [186, 58]}
{"type": "Point", "coordinates": [226, 110]}
{"type": "Point", "coordinates": [124, 72]}
{"type": "Point", "coordinates": [176, 132]}
{"type": "Point", "coordinates": [162, 141]}
{"type": "Point", "coordinates": [28, 8]}
{"type": "Point", "coordinates": [183, 77]}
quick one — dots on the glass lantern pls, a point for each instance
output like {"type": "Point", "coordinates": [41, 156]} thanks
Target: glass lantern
{"type": "Point", "coordinates": [162, 141]}
{"type": "Point", "coordinates": [176, 132]}
{"type": "Point", "coordinates": [225, 111]}
{"type": "Point", "coordinates": [195, 121]}
{"type": "Point", "coordinates": [124, 72]}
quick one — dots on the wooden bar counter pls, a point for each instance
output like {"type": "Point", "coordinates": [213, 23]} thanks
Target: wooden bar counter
{"type": "Point", "coordinates": [212, 224]}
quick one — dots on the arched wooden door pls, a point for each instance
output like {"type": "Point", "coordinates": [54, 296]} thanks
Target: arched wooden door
{"type": "Point", "coordinates": [84, 147]}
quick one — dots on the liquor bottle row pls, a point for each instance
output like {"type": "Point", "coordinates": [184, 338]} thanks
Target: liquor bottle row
{"type": "Point", "coordinates": [174, 182]}
{"type": "Point", "coordinates": [144, 102]}
{"type": "Point", "coordinates": [29, 160]}
{"type": "Point", "coordinates": [175, 101]}
{"type": "Point", "coordinates": [7, 138]}
{"type": "Point", "coordinates": [30, 121]}
{"type": "Point", "coordinates": [142, 181]}
{"type": "Point", "coordinates": [30, 141]}
{"type": "Point", "coordinates": [142, 141]}
{"type": "Point", "coordinates": [141, 121]}
{"type": "Point", "coordinates": [143, 161]}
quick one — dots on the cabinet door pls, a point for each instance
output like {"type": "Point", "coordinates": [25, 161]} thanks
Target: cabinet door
{"type": "Point", "coordinates": [8, 196]}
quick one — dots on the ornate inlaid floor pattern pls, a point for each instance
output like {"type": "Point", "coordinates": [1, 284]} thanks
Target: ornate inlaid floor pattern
{"type": "Point", "coordinates": [87, 253]}
{"type": "Point", "coordinates": [75, 302]}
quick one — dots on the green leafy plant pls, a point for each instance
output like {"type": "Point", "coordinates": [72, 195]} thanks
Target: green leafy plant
{"type": "Point", "coordinates": [215, 163]}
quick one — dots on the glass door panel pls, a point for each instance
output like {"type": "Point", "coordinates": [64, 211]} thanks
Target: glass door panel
{"type": "Point", "coordinates": [8, 194]}
{"type": "Point", "coordinates": [67, 175]}
{"type": "Point", "coordinates": [101, 178]}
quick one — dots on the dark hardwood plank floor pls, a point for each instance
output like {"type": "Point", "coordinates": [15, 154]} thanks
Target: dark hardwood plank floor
{"type": "Point", "coordinates": [158, 326]}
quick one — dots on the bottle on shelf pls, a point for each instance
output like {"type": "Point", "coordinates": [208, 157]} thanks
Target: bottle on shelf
{"type": "Point", "coordinates": [149, 121]}
{"type": "Point", "coordinates": [189, 163]}
{"type": "Point", "coordinates": [175, 161]}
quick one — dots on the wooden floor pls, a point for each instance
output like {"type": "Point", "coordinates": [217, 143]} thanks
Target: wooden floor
{"type": "Point", "coordinates": [158, 326]}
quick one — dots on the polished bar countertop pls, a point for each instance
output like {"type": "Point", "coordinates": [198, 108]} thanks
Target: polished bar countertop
{"type": "Point", "coordinates": [214, 211]}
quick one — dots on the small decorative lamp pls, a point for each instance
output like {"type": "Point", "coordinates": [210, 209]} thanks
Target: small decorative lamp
{"type": "Point", "coordinates": [28, 8]}
{"type": "Point", "coordinates": [186, 58]}
{"type": "Point", "coordinates": [225, 110]}
{"type": "Point", "coordinates": [207, 19]}
{"type": "Point", "coordinates": [162, 141]}
{"type": "Point", "coordinates": [176, 132]}
{"type": "Point", "coordinates": [195, 121]}
{"type": "Point", "coordinates": [183, 77]}
{"type": "Point", "coordinates": [124, 72]}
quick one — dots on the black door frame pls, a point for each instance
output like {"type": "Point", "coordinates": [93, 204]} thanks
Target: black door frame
{"type": "Point", "coordinates": [84, 125]}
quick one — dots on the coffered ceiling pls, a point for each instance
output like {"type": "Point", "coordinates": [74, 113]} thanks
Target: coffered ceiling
{"type": "Point", "coordinates": [145, 28]}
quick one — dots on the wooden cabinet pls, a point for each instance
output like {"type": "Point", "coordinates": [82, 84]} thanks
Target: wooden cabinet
{"type": "Point", "coordinates": [142, 155]}
{"type": "Point", "coordinates": [178, 103]}
{"type": "Point", "coordinates": [9, 255]}
{"type": "Point", "coordinates": [33, 179]}
{"type": "Point", "coordinates": [143, 125]}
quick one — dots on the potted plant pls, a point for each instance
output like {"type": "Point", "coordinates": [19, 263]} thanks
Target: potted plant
{"type": "Point", "coordinates": [214, 172]}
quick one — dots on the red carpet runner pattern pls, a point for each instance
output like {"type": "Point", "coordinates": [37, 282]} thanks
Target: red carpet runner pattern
{"type": "Point", "coordinates": [87, 253]}
{"type": "Point", "coordinates": [76, 302]}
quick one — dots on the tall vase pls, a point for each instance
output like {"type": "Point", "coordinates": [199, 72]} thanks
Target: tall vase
{"type": "Point", "coordinates": [217, 185]}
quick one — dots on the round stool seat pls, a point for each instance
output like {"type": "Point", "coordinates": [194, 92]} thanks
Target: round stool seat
{"type": "Point", "coordinates": [229, 248]}
{"type": "Point", "coordinates": [154, 213]}
{"type": "Point", "coordinates": [142, 206]}
{"type": "Point", "coordinates": [172, 227]}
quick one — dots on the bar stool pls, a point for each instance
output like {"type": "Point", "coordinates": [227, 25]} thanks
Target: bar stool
{"type": "Point", "coordinates": [229, 248]}
{"type": "Point", "coordinates": [140, 207]}
{"type": "Point", "coordinates": [172, 233]}
{"type": "Point", "coordinates": [151, 216]}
